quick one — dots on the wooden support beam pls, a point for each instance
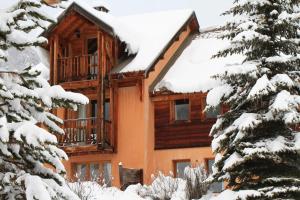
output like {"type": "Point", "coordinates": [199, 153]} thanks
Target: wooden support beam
{"type": "Point", "coordinates": [51, 60]}
{"type": "Point", "coordinates": [114, 114]}
{"type": "Point", "coordinates": [140, 85]}
{"type": "Point", "coordinates": [109, 54]}
{"type": "Point", "coordinates": [101, 88]}
{"type": "Point", "coordinates": [55, 59]}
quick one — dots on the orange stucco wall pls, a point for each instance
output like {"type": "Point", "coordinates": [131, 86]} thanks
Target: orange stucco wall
{"type": "Point", "coordinates": [130, 147]}
{"type": "Point", "coordinates": [136, 132]}
{"type": "Point", "coordinates": [162, 160]}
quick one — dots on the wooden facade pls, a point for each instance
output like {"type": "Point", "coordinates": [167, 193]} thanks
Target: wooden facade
{"type": "Point", "coordinates": [82, 54]}
{"type": "Point", "coordinates": [193, 132]}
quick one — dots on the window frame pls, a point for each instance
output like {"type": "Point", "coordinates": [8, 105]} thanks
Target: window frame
{"type": "Point", "coordinates": [173, 111]}
{"type": "Point", "coordinates": [86, 39]}
{"type": "Point", "coordinates": [179, 161]}
{"type": "Point", "coordinates": [88, 175]}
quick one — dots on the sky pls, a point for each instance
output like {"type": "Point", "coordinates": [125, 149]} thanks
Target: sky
{"type": "Point", "coordinates": [208, 11]}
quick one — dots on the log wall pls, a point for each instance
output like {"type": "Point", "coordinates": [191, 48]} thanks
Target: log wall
{"type": "Point", "coordinates": [171, 134]}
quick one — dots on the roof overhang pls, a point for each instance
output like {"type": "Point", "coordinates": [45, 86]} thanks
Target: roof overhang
{"type": "Point", "coordinates": [192, 20]}
{"type": "Point", "coordinates": [83, 12]}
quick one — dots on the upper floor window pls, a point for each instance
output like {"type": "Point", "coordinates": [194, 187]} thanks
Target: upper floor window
{"type": "Point", "coordinates": [107, 110]}
{"type": "Point", "coordinates": [82, 112]}
{"type": "Point", "coordinates": [182, 110]}
{"type": "Point", "coordinates": [92, 45]}
{"type": "Point", "coordinates": [94, 108]}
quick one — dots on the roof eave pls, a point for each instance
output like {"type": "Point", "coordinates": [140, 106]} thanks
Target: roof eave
{"type": "Point", "coordinates": [161, 54]}
{"type": "Point", "coordinates": [74, 6]}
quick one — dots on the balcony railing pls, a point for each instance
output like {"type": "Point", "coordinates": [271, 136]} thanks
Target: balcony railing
{"type": "Point", "coordinates": [80, 132]}
{"type": "Point", "coordinates": [77, 68]}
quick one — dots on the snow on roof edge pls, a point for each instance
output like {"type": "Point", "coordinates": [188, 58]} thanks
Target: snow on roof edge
{"type": "Point", "coordinates": [193, 70]}
{"type": "Point", "coordinates": [167, 45]}
{"type": "Point", "coordinates": [117, 28]}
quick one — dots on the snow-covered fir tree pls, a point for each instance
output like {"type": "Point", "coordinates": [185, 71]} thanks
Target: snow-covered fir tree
{"type": "Point", "coordinates": [30, 161]}
{"type": "Point", "coordinates": [18, 23]}
{"type": "Point", "coordinates": [257, 144]}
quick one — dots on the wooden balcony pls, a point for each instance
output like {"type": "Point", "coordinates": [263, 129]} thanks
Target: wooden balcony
{"type": "Point", "coordinates": [77, 68]}
{"type": "Point", "coordinates": [84, 132]}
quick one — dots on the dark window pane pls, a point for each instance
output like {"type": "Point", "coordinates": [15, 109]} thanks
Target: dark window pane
{"type": "Point", "coordinates": [216, 187]}
{"type": "Point", "coordinates": [107, 173]}
{"type": "Point", "coordinates": [81, 171]}
{"type": "Point", "coordinates": [94, 172]}
{"type": "Point", "coordinates": [182, 110]}
{"type": "Point", "coordinates": [82, 112]}
{"type": "Point", "coordinates": [107, 110]}
{"type": "Point", "coordinates": [180, 166]}
{"type": "Point", "coordinates": [94, 108]}
{"type": "Point", "coordinates": [92, 45]}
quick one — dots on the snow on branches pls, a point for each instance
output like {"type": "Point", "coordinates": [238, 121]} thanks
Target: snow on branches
{"type": "Point", "coordinates": [259, 132]}
{"type": "Point", "coordinates": [26, 100]}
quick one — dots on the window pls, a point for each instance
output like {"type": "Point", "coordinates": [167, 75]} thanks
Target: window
{"type": "Point", "coordinates": [81, 172]}
{"type": "Point", "coordinates": [92, 46]}
{"type": "Point", "coordinates": [182, 110]}
{"type": "Point", "coordinates": [94, 171]}
{"type": "Point", "coordinates": [107, 173]}
{"type": "Point", "coordinates": [107, 110]}
{"type": "Point", "coordinates": [216, 187]}
{"type": "Point", "coordinates": [179, 167]}
{"type": "Point", "coordinates": [82, 112]}
{"type": "Point", "coordinates": [100, 172]}
{"type": "Point", "coordinates": [94, 107]}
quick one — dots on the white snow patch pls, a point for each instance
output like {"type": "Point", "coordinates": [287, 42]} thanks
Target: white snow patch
{"type": "Point", "coordinates": [193, 70]}
{"type": "Point", "coordinates": [233, 159]}
{"type": "Point", "coordinates": [152, 43]}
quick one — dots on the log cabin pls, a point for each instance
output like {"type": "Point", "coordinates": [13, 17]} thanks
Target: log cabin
{"type": "Point", "coordinates": [146, 77]}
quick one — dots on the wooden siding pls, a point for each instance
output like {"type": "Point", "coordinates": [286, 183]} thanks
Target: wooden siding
{"type": "Point", "coordinates": [77, 69]}
{"type": "Point", "coordinates": [171, 134]}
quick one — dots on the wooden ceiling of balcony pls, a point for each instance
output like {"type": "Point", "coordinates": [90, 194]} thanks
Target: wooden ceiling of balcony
{"type": "Point", "coordinates": [70, 24]}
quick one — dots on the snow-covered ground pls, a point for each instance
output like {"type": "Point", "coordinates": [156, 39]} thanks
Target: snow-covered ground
{"type": "Point", "coordinates": [93, 191]}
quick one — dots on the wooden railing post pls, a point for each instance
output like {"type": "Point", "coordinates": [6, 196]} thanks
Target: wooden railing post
{"type": "Point", "coordinates": [77, 68]}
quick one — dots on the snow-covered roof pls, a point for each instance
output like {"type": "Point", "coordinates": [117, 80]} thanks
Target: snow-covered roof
{"type": "Point", "coordinates": [193, 69]}
{"type": "Point", "coordinates": [146, 35]}
{"type": "Point", "coordinates": [154, 31]}
{"type": "Point", "coordinates": [98, 3]}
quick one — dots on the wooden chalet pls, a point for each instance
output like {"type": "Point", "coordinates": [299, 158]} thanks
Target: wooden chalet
{"type": "Point", "coordinates": [128, 119]}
